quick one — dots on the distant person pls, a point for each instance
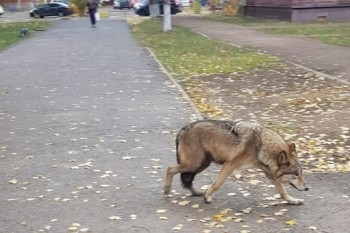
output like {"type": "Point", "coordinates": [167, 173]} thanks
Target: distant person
{"type": "Point", "coordinates": [92, 6]}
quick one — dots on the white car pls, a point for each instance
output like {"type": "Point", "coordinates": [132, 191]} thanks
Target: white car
{"type": "Point", "coordinates": [1, 11]}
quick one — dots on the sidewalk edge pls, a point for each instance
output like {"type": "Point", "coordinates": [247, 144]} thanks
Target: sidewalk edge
{"type": "Point", "coordinates": [178, 86]}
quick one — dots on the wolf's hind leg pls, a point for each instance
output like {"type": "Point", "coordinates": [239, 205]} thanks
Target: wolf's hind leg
{"type": "Point", "coordinates": [171, 171]}
{"type": "Point", "coordinates": [196, 193]}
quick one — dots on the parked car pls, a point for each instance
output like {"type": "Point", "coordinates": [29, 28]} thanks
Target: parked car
{"type": "Point", "coordinates": [1, 10]}
{"type": "Point", "coordinates": [139, 3]}
{"type": "Point", "coordinates": [142, 9]}
{"type": "Point", "coordinates": [67, 2]}
{"type": "Point", "coordinates": [120, 4]}
{"type": "Point", "coordinates": [51, 9]}
{"type": "Point", "coordinates": [105, 2]}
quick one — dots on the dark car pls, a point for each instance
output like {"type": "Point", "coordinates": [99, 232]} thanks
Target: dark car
{"type": "Point", "coordinates": [51, 9]}
{"type": "Point", "coordinates": [142, 9]}
{"type": "Point", "coordinates": [120, 4]}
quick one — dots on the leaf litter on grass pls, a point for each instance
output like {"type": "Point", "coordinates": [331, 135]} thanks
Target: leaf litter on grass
{"type": "Point", "coordinates": [230, 83]}
{"type": "Point", "coordinates": [305, 108]}
{"type": "Point", "coordinates": [302, 106]}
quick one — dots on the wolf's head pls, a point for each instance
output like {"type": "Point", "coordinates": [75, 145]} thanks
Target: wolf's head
{"type": "Point", "coordinates": [290, 170]}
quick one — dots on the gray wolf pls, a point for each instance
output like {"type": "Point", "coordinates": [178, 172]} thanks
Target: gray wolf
{"type": "Point", "coordinates": [236, 146]}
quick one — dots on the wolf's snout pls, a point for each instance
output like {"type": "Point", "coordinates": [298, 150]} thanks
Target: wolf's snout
{"type": "Point", "coordinates": [298, 186]}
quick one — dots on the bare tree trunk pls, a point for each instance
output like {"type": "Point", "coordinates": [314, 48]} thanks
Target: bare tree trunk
{"type": "Point", "coordinates": [166, 16]}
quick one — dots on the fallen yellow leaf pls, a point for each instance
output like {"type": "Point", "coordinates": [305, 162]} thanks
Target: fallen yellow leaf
{"type": "Point", "coordinates": [291, 222]}
{"type": "Point", "coordinates": [218, 217]}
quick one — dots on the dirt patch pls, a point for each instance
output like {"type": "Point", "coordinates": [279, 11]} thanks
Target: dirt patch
{"type": "Point", "coordinates": [307, 109]}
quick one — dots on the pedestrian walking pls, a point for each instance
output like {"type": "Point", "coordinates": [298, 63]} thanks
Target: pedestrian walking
{"type": "Point", "coordinates": [92, 6]}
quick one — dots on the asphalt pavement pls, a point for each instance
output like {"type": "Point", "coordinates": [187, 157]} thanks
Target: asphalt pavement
{"type": "Point", "coordinates": [88, 120]}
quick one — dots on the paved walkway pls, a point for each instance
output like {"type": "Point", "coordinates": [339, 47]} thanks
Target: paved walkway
{"type": "Point", "coordinates": [88, 122]}
{"type": "Point", "coordinates": [87, 119]}
{"type": "Point", "coordinates": [329, 59]}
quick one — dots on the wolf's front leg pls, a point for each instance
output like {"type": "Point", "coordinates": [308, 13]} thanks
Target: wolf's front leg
{"type": "Point", "coordinates": [226, 170]}
{"type": "Point", "coordinates": [291, 200]}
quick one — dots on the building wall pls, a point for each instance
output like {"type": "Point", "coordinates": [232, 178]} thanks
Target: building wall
{"type": "Point", "coordinates": [16, 5]}
{"type": "Point", "coordinates": [324, 13]}
{"type": "Point", "coordinates": [298, 10]}
{"type": "Point", "coordinates": [269, 3]}
{"type": "Point", "coordinates": [297, 3]}
{"type": "Point", "coordinates": [319, 3]}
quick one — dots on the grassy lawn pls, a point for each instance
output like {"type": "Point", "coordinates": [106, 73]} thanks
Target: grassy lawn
{"type": "Point", "coordinates": [337, 33]}
{"type": "Point", "coordinates": [243, 21]}
{"type": "Point", "coordinates": [331, 33]}
{"type": "Point", "coordinates": [9, 32]}
{"type": "Point", "coordinates": [187, 54]}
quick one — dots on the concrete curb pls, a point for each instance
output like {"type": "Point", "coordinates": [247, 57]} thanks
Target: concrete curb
{"type": "Point", "coordinates": [178, 86]}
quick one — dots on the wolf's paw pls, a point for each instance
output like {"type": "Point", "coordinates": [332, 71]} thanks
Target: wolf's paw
{"type": "Point", "coordinates": [197, 193]}
{"type": "Point", "coordinates": [295, 201]}
{"type": "Point", "coordinates": [166, 191]}
{"type": "Point", "coordinates": [207, 199]}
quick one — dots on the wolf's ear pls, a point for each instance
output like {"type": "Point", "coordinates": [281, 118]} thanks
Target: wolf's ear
{"type": "Point", "coordinates": [292, 147]}
{"type": "Point", "coordinates": [282, 158]}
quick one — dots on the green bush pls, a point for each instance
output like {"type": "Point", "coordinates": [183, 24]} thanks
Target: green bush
{"type": "Point", "coordinates": [196, 7]}
{"type": "Point", "coordinates": [80, 5]}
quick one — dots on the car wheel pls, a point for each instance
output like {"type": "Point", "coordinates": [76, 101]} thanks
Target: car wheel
{"type": "Point", "coordinates": [41, 16]}
{"type": "Point", "coordinates": [142, 12]}
{"type": "Point", "coordinates": [60, 14]}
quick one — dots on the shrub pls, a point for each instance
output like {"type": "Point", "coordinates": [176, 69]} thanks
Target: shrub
{"type": "Point", "coordinates": [196, 7]}
{"type": "Point", "coordinates": [78, 6]}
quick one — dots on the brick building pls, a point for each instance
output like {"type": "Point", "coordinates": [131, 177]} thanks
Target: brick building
{"type": "Point", "coordinates": [298, 10]}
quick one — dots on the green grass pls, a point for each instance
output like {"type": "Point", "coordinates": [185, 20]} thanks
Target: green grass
{"type": "Point", "coordinates": [186, 54]}
{"type": "Point", "coordinates": [9, 32]}
{"type": "Point", "coordinates": [241, 20]}
{"type": "Point", "coordinates": [336, 33]}
{"type": "Point", "coordinates": [331, 33]}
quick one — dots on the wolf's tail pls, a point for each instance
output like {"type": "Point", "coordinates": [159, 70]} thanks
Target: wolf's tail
{"type": "Point", "coordinates": [187, 179]}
